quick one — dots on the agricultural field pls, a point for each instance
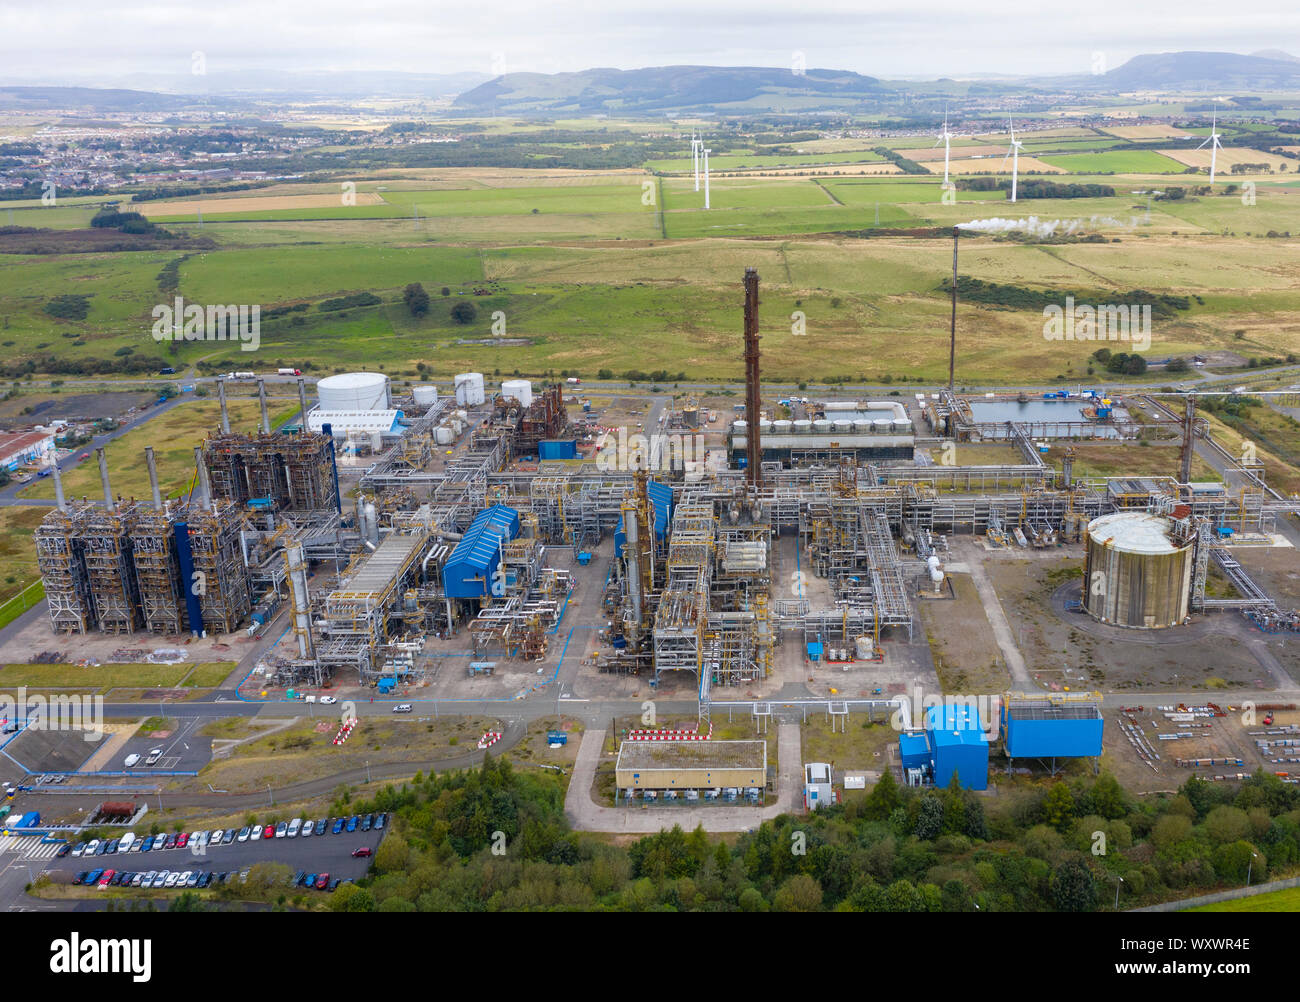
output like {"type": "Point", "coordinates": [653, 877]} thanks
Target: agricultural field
{"type": "Point", "coordinates": [1122, 162]}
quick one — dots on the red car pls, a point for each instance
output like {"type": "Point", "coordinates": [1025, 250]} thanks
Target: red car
{"type": "Point", "coordinates": [322, 882]}
{"type": "Point", "coordinates": [182, 840]}
{"type": "Point", "coordinates": [363, 851]}
{"type": "Point", "coordinates": [84, 455]}
{"type": "Point", "coordinates": [106, 877]}
{"type": "Point", "coordinates": [268, 831]}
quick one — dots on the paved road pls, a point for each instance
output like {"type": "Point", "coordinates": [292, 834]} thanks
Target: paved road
{"type": "Point", "coordinates": [584, 814]}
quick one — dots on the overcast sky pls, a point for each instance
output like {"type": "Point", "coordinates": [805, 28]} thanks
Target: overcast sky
{"type": "Point", "coordinates": [72, 41]}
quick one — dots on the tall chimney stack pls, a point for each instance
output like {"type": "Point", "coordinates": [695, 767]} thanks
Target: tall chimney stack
{"type": "Point", "coordinates": [225, 414]}
{"type": "Point", "coordinates": [153, 477]}
{"type": "Point", "coordinates": [103, 476]}
{"type": "Point", "coordinates": [261, 400]}
{"type": "Point", "coordinates": [753, 446]}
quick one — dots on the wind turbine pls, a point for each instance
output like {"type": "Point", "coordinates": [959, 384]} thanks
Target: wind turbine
{"type": "Point", "coordinates": [1013, 151]}
{"type": "Point", "coordinates": [1213, 139]}
{"type": "Point", "coordinates": [706, 153]}
{"type": "Point", "coordinates": [944, 138]}
{"type": "Point", "coordinates": [695, 157]}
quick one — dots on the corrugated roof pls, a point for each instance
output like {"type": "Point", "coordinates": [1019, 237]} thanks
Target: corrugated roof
{"type": "Point", "coordinates": [477, 552]}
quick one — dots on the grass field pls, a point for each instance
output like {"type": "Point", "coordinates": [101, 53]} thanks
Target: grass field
{"type": "Point", "coordinates": [1287, 900]}
{"type": "Point", "coordinates": [17, 555]}
{"type": "Point", "coordinates": [1125, 162]}
{"type": "Point", "coordinates": [173, 436]}
{"type": "Point", "coordinates": [113, 676]}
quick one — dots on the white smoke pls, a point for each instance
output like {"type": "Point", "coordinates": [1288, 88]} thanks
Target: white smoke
{"type": "Point", "coordinates": [1039, 227]}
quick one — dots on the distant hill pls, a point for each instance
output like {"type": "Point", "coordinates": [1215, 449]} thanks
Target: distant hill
{"type": "Point", "coordinates": [669, 88]}
{"type": "Point", "coordinates": [95, 99]}
{"type": "Point", "coordinates": [1204, 71]}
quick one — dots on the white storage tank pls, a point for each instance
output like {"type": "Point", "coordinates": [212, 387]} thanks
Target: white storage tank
{"type": "Point", "coordinates": [443, 435]}
{"type": "Point", "coordinates": [740, 427]}
{"type": "Point", "coordinates": [354, 391]}
{"type": "Point", "coordinates": [469, 389]}
{"type": "Point", "coordinates": [803, 427]}
{"type": "Point", "coordinates": [425, 396]}
{"type": "Point", "coordinates": [782, 427]}
{"type": "Point", "coordinates": [843, 426]}
{"type": "Point", "coordinates": [882, 426]}
{"type": "Point", "coordinates": [861, 426]}
{"type": "Point", "coordinates": [902, 427]}
{"type": "Point", "coordinates": [518, 389]}
{"type": "Point", "coordinates": [764, 427]}
{"type": "Point", "coordinates": [822, 427]}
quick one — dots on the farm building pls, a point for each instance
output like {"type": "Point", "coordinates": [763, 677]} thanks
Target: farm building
{"type": "Point", "coordinates": [691, 765]}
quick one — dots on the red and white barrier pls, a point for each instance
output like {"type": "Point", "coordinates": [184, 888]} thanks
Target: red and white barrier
{"type": "Point", "coordinates": [489, 739]}
{"type": "Point", "coordinates": [673, 735]}
{"type": "Point", "coordinates": [345, 731]}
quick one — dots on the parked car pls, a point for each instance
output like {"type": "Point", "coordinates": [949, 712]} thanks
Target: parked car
{"type": "Point", "coordinates": [63, 850]}
{"type": "Point", "coordinates": [138, 879]}
{"type": "Point", "coordinates": [307, 827]}
{"type": "Point", "coordinates": [322, 882]}
{"type": "Point", "coordinates": [229, 837]}
{"type": "Point", "coordinates": [91, 847]}
{"type": "Point", "coordinates": [322, 826]}
{"type": "Point", "coordinates": [170, 842]}
{"type": "Point", "coordinates": [334, 884]}
{"type": "Point", "coordinates": [338, 825]}
{"type": "Point", "coordinates": [215, 837]}
{"type": "Point", "coordinates": [101, 848]}
{"type": "Point", "coordinates": [111, 847]}
{"type": "Point", "coordinates": [92, 877]}
{"type": "Point", "coordinates": [368, 822]}
{"type": "Point", "coordinates": [402, 708]}
{"type": "Point", "coordinates": [364, 851]}
{"type": "Point", "coordinates": [193, 879]}
{"type": "Point", "coordinates": [291, 829]}
{"type": "Point", "coordinates": [131, 760]}
{"type": "Point", "coordinates": [174, 878]}
{"type": "Point", "coordinates": [353, 822]}
{"type": "Point", "coordinates": [207, 879]}
{"type": "Point", "coordinates": [78, 849]}
{"type": "Point", "coordinates": [298, 877]}
{"type": "Point", "coordinates": [147, 843]}
{"type": "Point", "coordinates": [182, 840]}
{"type": "Point", "coordinates": [328, 700]}
{"type": "Point", "coordinates": [160, 878]}
{"type": "Point", "coordinates": [244, 833]}
{"type": "Point", "coordinates": [381, 820]}
{"type": "Point", "coordinates": [106, 878]}
{"type": "Point", "coordinates": [80, 878]}
{"type": "Point", "coordinates": [257, 831]}
{"type": "Point", "coordinates": [269, 831]}
{"type": "Point", "coordinates": [311, 880]}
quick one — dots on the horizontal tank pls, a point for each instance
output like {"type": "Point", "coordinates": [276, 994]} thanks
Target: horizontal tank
{"type": "Point", "coordinates": [1137, 570]}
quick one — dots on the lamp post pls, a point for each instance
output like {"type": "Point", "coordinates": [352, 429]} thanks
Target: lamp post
{"type": "Point", "coordinates": [1121, 880]}
{"type": "Point", "coordinates": [1253, 856]}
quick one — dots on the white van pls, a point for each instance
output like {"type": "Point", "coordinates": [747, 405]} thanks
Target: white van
{"type": "Point", "coordinates": [402, 708]}
{"type": "Point", "coordinates": [125, 842]}
{"type": "Point", "coordinates": [294, 825]}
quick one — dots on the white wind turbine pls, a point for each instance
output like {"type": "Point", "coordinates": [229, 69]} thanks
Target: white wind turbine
{"type": "Point", "coordinates": [706, 153]}
{"type": "Point", "coordinates": [1213, 140]}
{"type": "Point", "coordinates": [944, 138]}
{"type": "Point", "coordinates": [696, 145]}
{"type": "Point", "coordinates": [1013, 151]}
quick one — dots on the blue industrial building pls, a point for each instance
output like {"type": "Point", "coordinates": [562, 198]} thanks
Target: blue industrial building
{"type": "Point", "coordinates": [468, 571]}
{"type": "Point", "coordinates": [914, 751]}
{"type": "Point", "coordinates": [958, 744]}
{"type": "Point", "coordinates": [1052, 727]}
{"type": "Point", "coordinates": [661, 498]}
{"type": "Point", "coordinates": [566, 448]}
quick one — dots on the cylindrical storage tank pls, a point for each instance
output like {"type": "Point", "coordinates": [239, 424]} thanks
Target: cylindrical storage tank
{"type": "Point", "coordinates": [425, 396]}
{"type": "Point", "coordinates": [882, 426]}
{"type": "Point", "coordinates": [764, 426]}
{"type": "Point", "coordinates": [843, 426]}
{"type": "Point", "coordinates": [865, 648]}
{"type": "Point", "coordinates": [354, 391]}
{"type": "Point", "coordinates": [518, 389]}
{"type": "Point", "coordinates": [901, 427]}
{"type": "Point", "coordinates": [443, 435]}
{"type": "Point", "coordinates": [740, 427]}
{"type": "Point", "coordinates": [861, 426]}
{"type": "Point", "coordinates": [469, 389]}
{"type": "Point", "coordinates": [462, 416]}
{"type": "Point", "coordinates": [1137, 570]}
{"type": "Point", "coordinates": [821, 426]}
{"type": "Point", "coordinates": [803, 427]}
{"type": "Point", "coordinates": [782, 427]}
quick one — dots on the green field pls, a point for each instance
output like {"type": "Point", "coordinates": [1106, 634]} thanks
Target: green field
{"type": "Point", "coordinates": [1123, 162]}
{"type": "Point", "coordinates": [1273, 901]}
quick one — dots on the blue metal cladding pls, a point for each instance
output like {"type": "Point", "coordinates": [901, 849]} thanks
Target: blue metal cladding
{"type": "Point", "coordinates": [661, 499]}
{"type": "Point", "coordinates": [959, 746]}
{"type": "Point", "coordinates": [185, 560]}
{"type": "Point", "coordinates": [468, 571]}
{"type": "Point", "coordinates": [913, 751]}
{"type": "Point", "coordinates": [1074, 736]}
{"type": "Point", "coordinates": [558, 449]}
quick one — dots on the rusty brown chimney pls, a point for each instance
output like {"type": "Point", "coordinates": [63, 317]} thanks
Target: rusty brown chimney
{"type": "Point", "coordinates": [753, 447]}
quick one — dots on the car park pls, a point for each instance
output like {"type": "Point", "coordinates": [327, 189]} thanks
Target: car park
{"type": "Point", "coordinates": [244, 833]}
{"type": "Point", "coordinates": [363, 852]}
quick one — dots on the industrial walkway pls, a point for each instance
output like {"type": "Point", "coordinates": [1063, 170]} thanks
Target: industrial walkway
{"type": "Point", "coordinates": [585, 815]}
{"type": "Point", "coordinates": [1001, 628]}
